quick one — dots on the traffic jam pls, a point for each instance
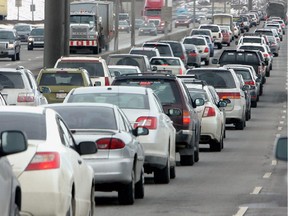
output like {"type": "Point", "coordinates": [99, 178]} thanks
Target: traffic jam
{"type": "Point", "coordinates": [94, 125]}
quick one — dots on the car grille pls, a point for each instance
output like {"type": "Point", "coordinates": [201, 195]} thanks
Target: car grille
{"type": "Point", "coordinates": [78, 32]}
{"type": "Point", "coordinates": [3, 45]}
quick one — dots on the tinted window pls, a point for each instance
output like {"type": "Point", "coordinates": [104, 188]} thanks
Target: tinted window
{"type": "Point", "coordinates": [93, 68]}
{"type": "Point", "coordinates": [88, 118]}
{"type": "Point", "coordinates": [123, 70]}
{"type": "Point", "coordinates": [33, 125]}
{"type": "Point", "coordinates": [199, 32]}
{"type": "Point", "coordinates": [37, 32]}
{"type": "Point", "coordinates": [245, 73]}
{"type": "Point", "coordinates": [68, 79]}
{"type": "Point", "coordinates": [216, 78]}
{"type": "Point", "coordinates": [166, 90]}
{"type": "Point", "coordinates": [7, 35]}
{"type": "Point", "coordinates": [198, 93]}
{"type": "Point", "coordinates": [124, 101]}
{"type": "Point", "coordinates": [195, 41]}
{"type": "Point", "coordinates": [11, 80]}
{"type": "Point", "coordinates": [148, 53]}
{"type": "Point", "coordinates": [177, 49]}
{"type": "Point", "coordinates": [239, 58]}
{"type": "Point", "coordinates": [251, 40]}
{"type": "Point", "coordinates": [212, 28]}
{"type": "Point", "coordinates": [252, 48]}
{"type": "Point", "coordinates": [164, 61]}
{"type": "Point", "coordinates": [122, 60]}
{"type": "Point", "coordinates": [164, 50]}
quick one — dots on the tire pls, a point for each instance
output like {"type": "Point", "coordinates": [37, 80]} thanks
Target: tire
{"type": "Point", "coordinates": [216, 146]}
{"type": "Point", "coordinates": [254, 104]}
{"type": "Point", "coordinates": [271, 66]}
{"type": "Point", "coordinates": [30, 48]}
{"type": "Point", "coordinates": [172, 172]}
{"type": "Point", "coordinates": [13, 57]}
{"type": "Point", "coordinates": [267, 73]}
{"type": "Point", "coordinates": [240, 125]}
{"type": "Point", "coordinates": [207, 62]}
{"type": "Point", "coordinates": [92, 201]}
{"type": "Point", "coordinates": [126, 195]}
{"type": "Point", "coordinates": [219, 46]}
{"type": "Point", "coordinates": [18, 56]}
{"type": "Point", "coordinates": [196, 155]}
{"type": "Point", "coordinates": [187, 160]}
{"type": "Point", "coordinates": [162, 176]}
{"type": "Point", "coordinates": [139, 187]}
{"type": "Point", "coordinates": [71, 210]}
{"type": "Point", "coordinates": [228, 44]}
{"type": "Point", "coordinates": [16, 210]}
{"type": "Point", "coordinates": [261, 90]}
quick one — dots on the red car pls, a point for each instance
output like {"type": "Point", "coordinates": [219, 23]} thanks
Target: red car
{"type": "Point", "coordinates": [226, 37]}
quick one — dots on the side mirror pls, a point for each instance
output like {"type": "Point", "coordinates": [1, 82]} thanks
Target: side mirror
{"type": "Point", "coordinates": [281, 149]}
{"type": "Point", "coordinates": [215, 61]}
{"type": "Point", "coordinates": [199, 102]}
{"type": "Point", "coordinates": [246, 87]}
{"type": "Point", "coordinates": [174, 112]}
{"type": "Point", "coordinates": [85, 148]}
{"type": "Point", "coordinates": [12, 142]}
{"type": "Point", "coordinates": [222, 103]}
{"type": "Point", "coordinates": [115, 73]}
{"type": "Point", "coordinates": [227, 100]}
{"type": "Point", "coordinates": [140, 131]}
{"type": "Point", "coordinates": [45, 90]}
{"type": "Point", "coordinates": [154, 68]}
{"type": "Point", "coordinates": [236, 42]}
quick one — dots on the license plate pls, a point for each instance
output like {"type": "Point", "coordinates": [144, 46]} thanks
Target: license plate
{"type": "Point", "coordinates": [61, 95]}
{"type": "Point", "coordinates": [165, 71]}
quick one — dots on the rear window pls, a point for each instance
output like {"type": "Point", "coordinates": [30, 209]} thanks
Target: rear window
{"type": "Point", "coordinates": [166, 90]}
{"type": "Point", "coordinates": [95, 69]}
{"type": "Point", "coordinates": [148, 53]}
{"type": "Point", "coordinates": [164, 50]}
{"type": "Point", "coordinates": [212, 28]}
{"type": "Point", "coordinates": [197, 32]}
{"type": "Point", "coordinates": [239, 58]}
{"type": "Point", "coordinates": [61, 78]}
{"type": "Point", "coordinates": [34, 124]}
{"type": "Point", "coordinates": [11, 80]}
{"type": "Point", "coordinates": [164, 61]}
{"type": "Point", "coordinates": [245, 73]}
{"type": "Point", "coordinates": [88, 118]}
{"type": "Point", "coordinates": [259, 32]}
{"type": "Point", "coordinates": [123, 100]}
{"type": "Point", "coordinates": [251, 40]}
{"type": "Point", "coordinates": [216, 78]}
{"type": "Point", "coordinates": [252, 48]}
{"type": "Point", "coordinates": [195, 41]}
{"type": "Point", "coordinates": [177, 49]}
{"type": "Point", "coordinates": [121, 60]}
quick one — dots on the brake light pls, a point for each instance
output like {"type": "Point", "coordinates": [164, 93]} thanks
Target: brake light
{"type": "Point", "coordinates": [110, 143]}
{"type": "Point", "coordinates": [230, 95]}
{"type": "Point", "coordinates": [186, 117]}
{"type": "Point", "coordinates": [250, 82]}
{"type": "Point", "coordinates": [182, 57]}
{"type": "Point", "coordinates": [219, 35]}
{"type": "Point", "coordinates": [25, 97]}
{"type": "Point", "coordinates": [107, 82]}
{"type": "Point", "coordinates": [44, 161]}
{"type": "Point", "coordinates": [206, 50]}
{"type": "Point", "coordinates": [265, 55]}
{"type": "Point", "coordinates": [180, 71]}
{"type": "Point", "coordinates": [193, 54]}
{"type": "Point", "coordinates": [209, 111]}
{"type": "Point", "coordinates": [146, 121]}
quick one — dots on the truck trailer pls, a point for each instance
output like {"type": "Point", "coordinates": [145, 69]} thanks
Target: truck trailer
{"type": "Point", "coordinates": [3, 9]}
{"type": "Point", "coordinates": [91, 25]}
{"type": "Point", "coordinates": [277, 8]}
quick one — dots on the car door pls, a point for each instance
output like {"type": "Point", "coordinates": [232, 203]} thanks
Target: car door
{"type": "Point", "coordinates": [80, 172]}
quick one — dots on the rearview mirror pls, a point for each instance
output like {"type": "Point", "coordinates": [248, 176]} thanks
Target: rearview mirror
{"type": "Point", "coordinates": [174, 112]}
{"type": "Point", "coordinates": [12, 142]}
{"type": "Point", "coordinates": [281, 149]}
{"type": "Point", "coordinates": [45, 90]}
{"type": "Point", "coordinates": [199, 101]}
{"type": "Point", "coordinates": [88, 147]}
{"type": "Point", "coordinates": [140, 131]}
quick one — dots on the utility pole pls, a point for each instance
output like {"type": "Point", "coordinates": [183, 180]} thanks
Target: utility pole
{"type": "Point", "coordinates": [194, 13]}
{"type": "Point", "coordinates": [165, 22]}
{"type": "Point", "coordinates": [116, 25]}
{"type": "Point", "coordinates": [32, 10]}
{"type": "Point", "coordinates": [132, 22]}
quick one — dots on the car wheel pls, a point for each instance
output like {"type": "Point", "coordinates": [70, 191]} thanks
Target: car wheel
{"type": "Point", "coordinates": [276, 54]}
{"type": "Point", "coordinates": [13, 57]}
{"type": "Point", "coordinates": [162, 176]}
{"type": "Point", "coordinates": [187, 160]}
{"type": "Point", "coordinates": [172, 172]}
{"type": "Point", "coordinates": [219, 46]}
{"type": "Point", "coordinates": [16, 210]}
{"type": "Point", "coordinates": [71, 209]}
{"type": "Point", "coordinates": [92, 201]}
{"type": "Point", "coordinates": [196, 155]}
{"type": "Point", "coordinates": [216, 145]}
{"type": "Point", "coordinates": [267, 74]}
{"type": "Point", "coordinates": [126, 194]}
{"type": "Point", "coordinates": [228, 44]}
{"type": "Point", "coordinates": [261, 90]}
{"type": "Point", "coordinates": [18, 56]}
{"type": "Point", "coordinates": [271, 66]}
{"type": "Point", "coordinates": [139, 187]}
{"type": "Point", "coordinates": [254, 104]}
{"type": "Point", "coordinates": [207, 62]}
{"type": "Point", "coordinates": [239, 125]}
{"type": "Point", "coordinates": [29, 47]}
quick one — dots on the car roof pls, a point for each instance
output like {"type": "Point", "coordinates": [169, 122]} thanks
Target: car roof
{"type": "Point", "coordinates": [23, 109]}
{"type": "Point", "coordinates": [144, 48]}
{"type": "Point", "coordinates": [82, 104]}
{"type": "Point", "coordinates": [69, 70]}
{"type": "Point", "coordinates": [123, 66]}
{"type": "Point", "coordinates": [112, 89]}
{"type": "Point", "coordinates": [82, 58]}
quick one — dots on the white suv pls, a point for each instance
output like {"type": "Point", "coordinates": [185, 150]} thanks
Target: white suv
{"type": "Point", "coordinates": [96, 67]}
{"type": "Point", "coordinates": [227, 85]}
{"type": "Point", "coordinates": [216, 33]}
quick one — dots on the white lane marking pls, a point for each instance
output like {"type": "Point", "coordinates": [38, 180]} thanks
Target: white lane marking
{"type": "Point", "coordinates": [278, 135]}
{"type": "Point", "coordinates": [256, 190]}
{"type": "Point", "coordinates": [279, 128]}
{"type": "Point", "coordinates": [267, 175]}
{"type": "Point", "coordinates": [284, 111]}
{"type": "Point", "coordinates": [281, 122]}
{"type": "Point", "coordinates": [241, 211]}
{"type": "Point", "coordinates": [283, 117]}
{"type": "Point", "coordinates": [38, 57]}
{"type": "Point", "coordinates": [29, 59]}
{"type": "Point", "coordinates": [274, 162]}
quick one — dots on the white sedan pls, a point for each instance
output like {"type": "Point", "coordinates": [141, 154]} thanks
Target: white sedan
{"type": "Point", "coordinates": [167, 64]}
{"type": "Point", "coordinates": [54, 179]}
{"type": "Point", "coordinates": [142, 108]}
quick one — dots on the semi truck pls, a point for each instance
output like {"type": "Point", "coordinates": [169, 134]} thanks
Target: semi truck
{"type": "Point", "coordinates": [91, 25]}
{"type": "Point", "coordinates": [152, 12]}
{"type": "Point", "coordinates": [277, 8]}
{"type": "Point", "coordinates": [3, 9]}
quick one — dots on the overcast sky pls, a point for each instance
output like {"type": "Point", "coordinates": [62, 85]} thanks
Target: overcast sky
{"type": "Point", "coordinates": [24, 11]}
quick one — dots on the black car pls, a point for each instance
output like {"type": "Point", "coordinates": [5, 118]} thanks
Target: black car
{"type": "Point", "coordinates": [178, 49]}
{"type": "Point", "coordinates": [178, 105]}
{"type": "Point", "coordinates": [36, 38]}
{"type": "Point", "coordinates": [183, 20]}
{"type": "Point", "coordinates": [148, 29]}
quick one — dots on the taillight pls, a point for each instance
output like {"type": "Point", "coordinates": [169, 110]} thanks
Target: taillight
{"type": "Point", "coordinates": [180, 71]}
{"type": "Point", "coordinates": [182, 57]}
{"type": "Point", "coordinates": [25, 97]}
{"type": "Point", "coordinates": [186, 117]}
{"type": "Point", "coordinates": [250, 82]}
{"type": "Point", "coordinates": [193, 54]}
{"type": "Point", "coordinates": [230, 95]}
{"type": "Point", "coordinates": [44, 161]}
{"type": "Point", "coordinates": [208, 112]}
{"type": "Point", "coordinates": [110, 143]}
{"type": "Point", "coordinates": [146, 121]}
{"type": "Point", "coordinates": [206, 50]}
{"type": "Point", "coordinates": [265, 55]}
{"type": "Point", "coordinates": [107, 82]}
{"type": "Point", "coordinates": [219, 35]}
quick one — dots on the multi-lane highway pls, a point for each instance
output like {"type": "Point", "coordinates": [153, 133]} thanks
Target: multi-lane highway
{"type": "Point", "coordinates": [243, 179]}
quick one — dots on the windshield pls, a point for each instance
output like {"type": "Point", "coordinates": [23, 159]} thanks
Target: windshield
{"type": "Point", "coordinates": [7, 35]}
{"type": "Point", "coordinates": [152, 12]}
{"type": "Point", "coordinates": [22, 28]}
{"type": "Point", "coordinates": [39, 32]}
{"type": "Point", "coordinates": [82, 19]}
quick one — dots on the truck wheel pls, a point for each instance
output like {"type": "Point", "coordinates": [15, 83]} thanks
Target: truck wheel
{"type": "Point", "coordinates": [219, 46]}
{"type": "Point", "coordinates": [95, 50]}
{"type": "Point", "coordinates": [13, 57]}
{"type": "Point", "coordinates": [18, 56]}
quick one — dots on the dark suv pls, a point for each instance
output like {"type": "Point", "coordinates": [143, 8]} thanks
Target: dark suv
{"type": "Point", "coordinates": [247, 57]}
{"type": "Point", "coordinates": [178, 105]}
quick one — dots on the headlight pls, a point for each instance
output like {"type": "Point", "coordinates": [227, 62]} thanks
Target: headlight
{"type": "Point", "coordinates": [30, 39]}
{"type": "Point", "coordinates": [10, 46]}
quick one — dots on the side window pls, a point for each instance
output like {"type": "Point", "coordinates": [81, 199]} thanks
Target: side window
{"type": "Point", "coordinates": [32, 80]}
{"type": "Point", "coordinates": [28, 78]}
{"type": "Point", "coordinates": [122, 125]}
{"type": "Point", "coordinates": [126, 122]}
{"type": "Point", "coordinates": [66, 134]}
{"type": "Point", "coordinates": [158, 103]}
